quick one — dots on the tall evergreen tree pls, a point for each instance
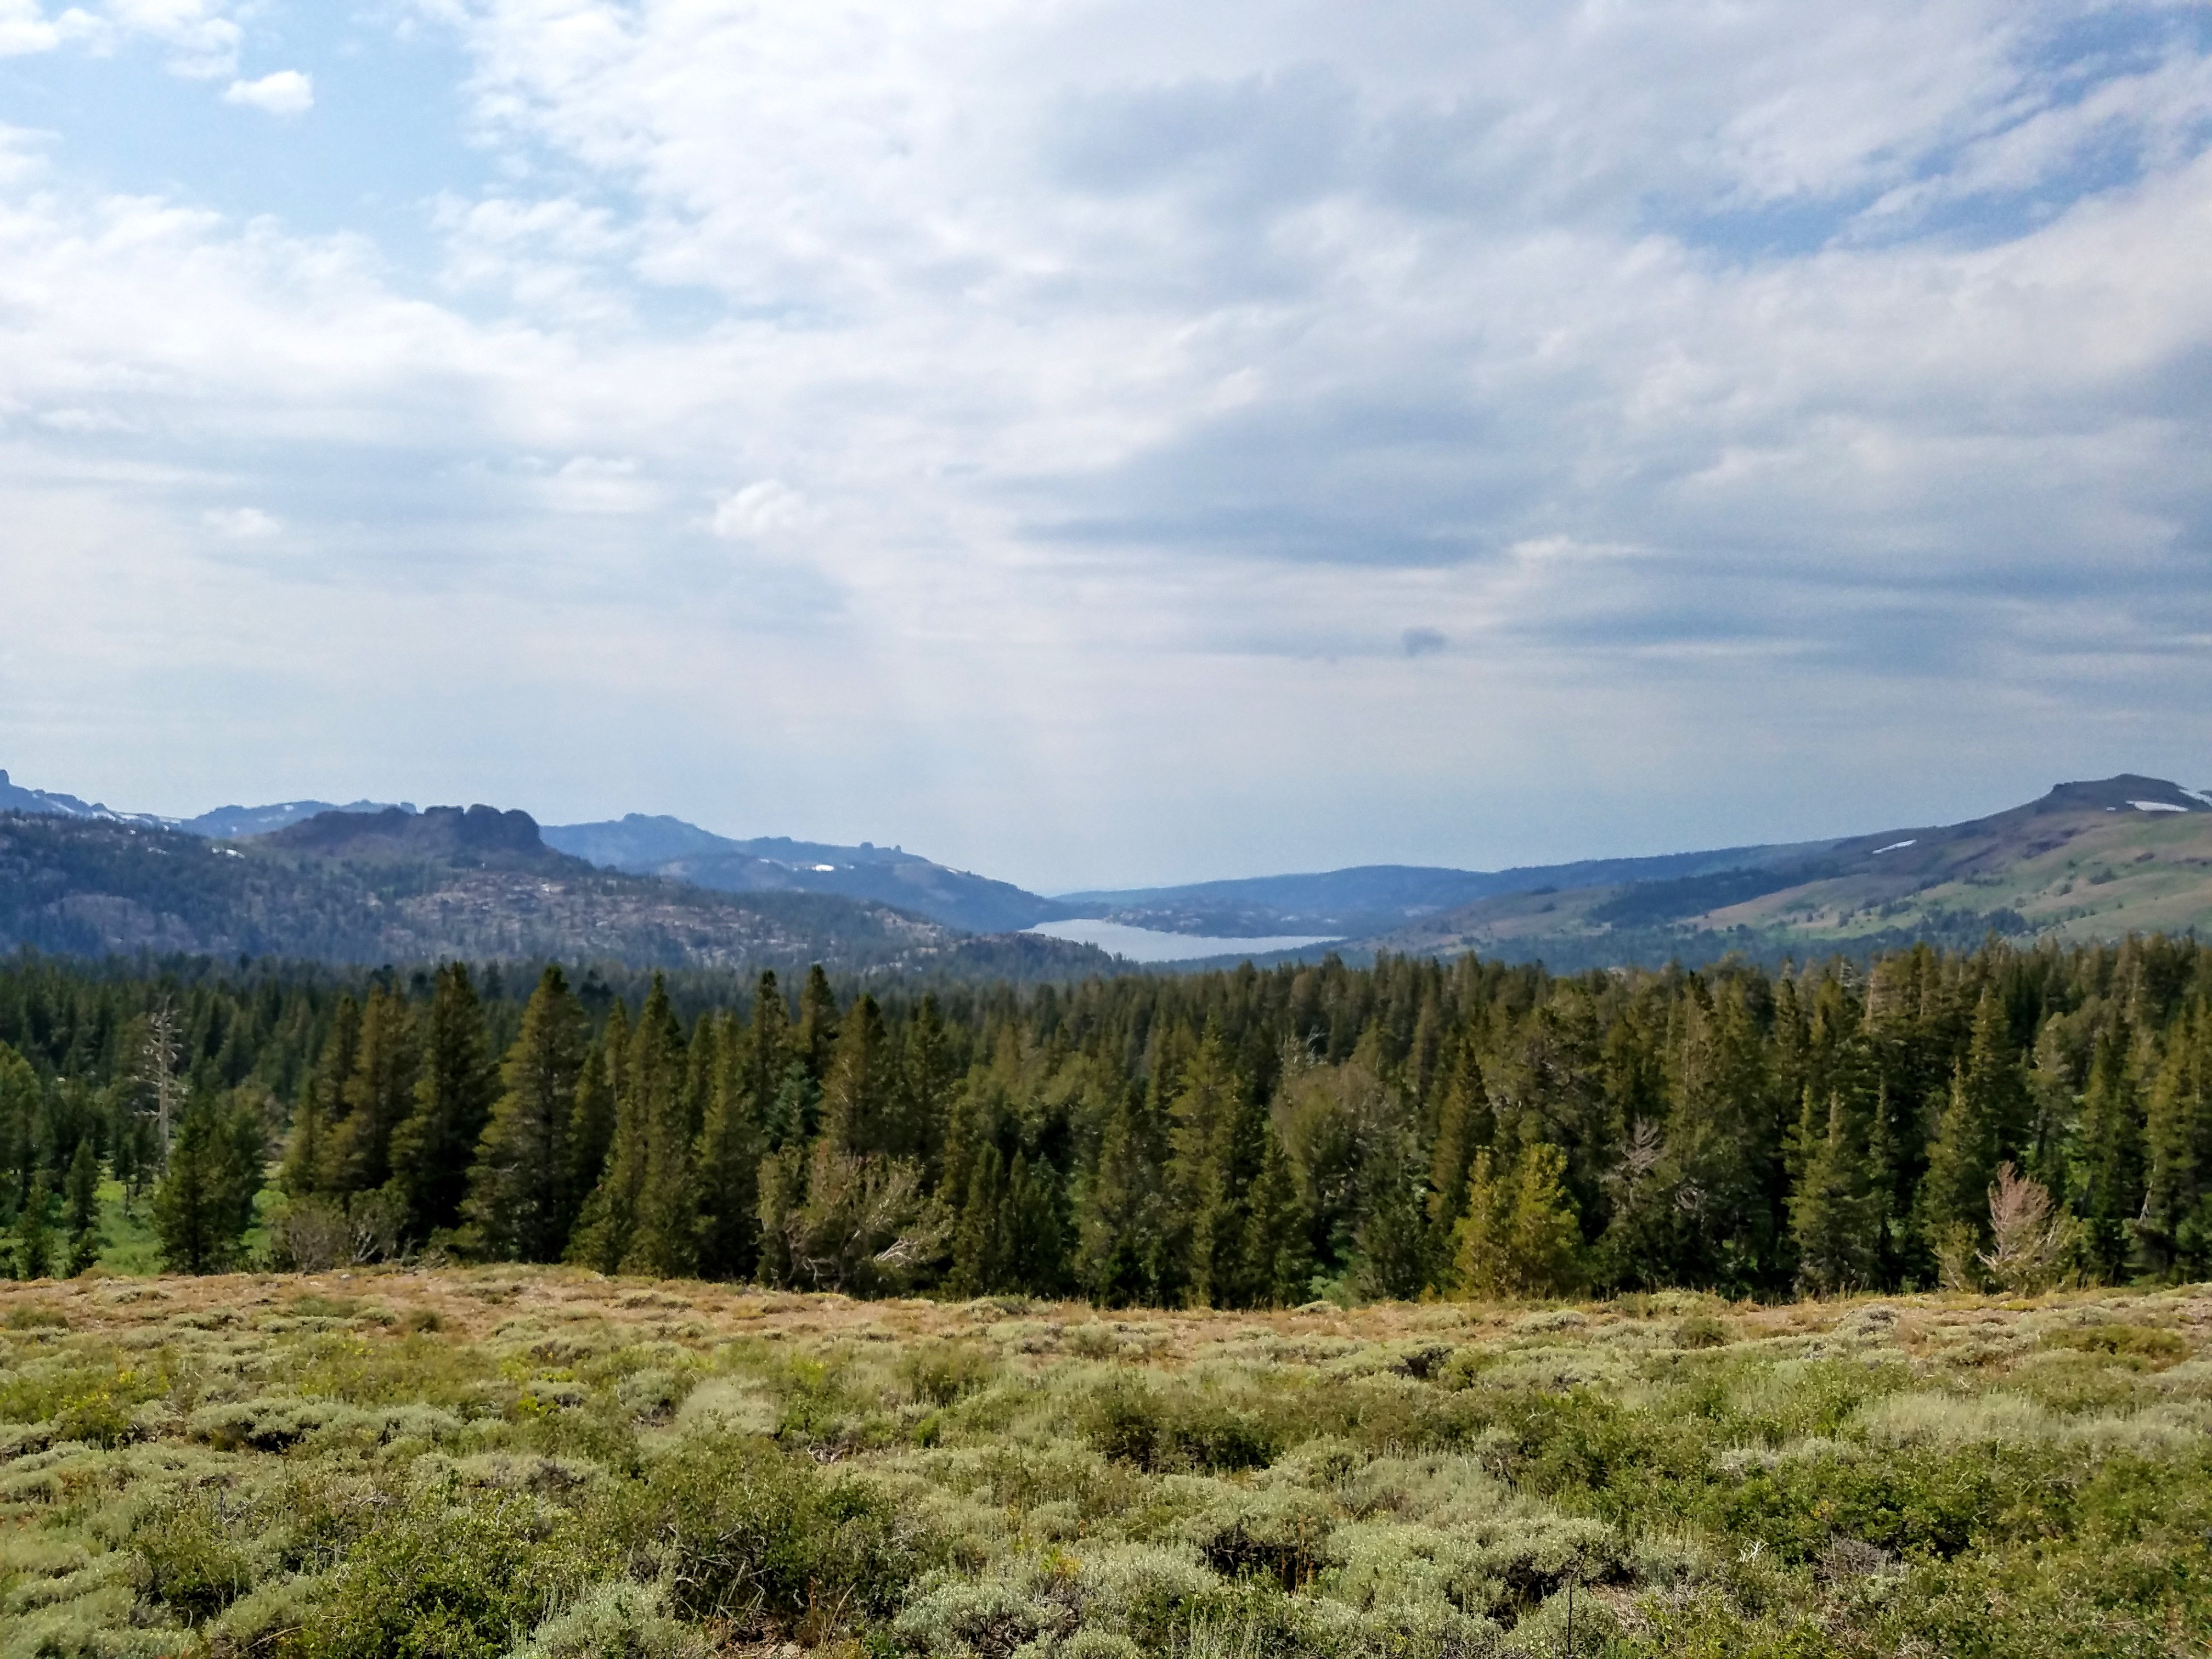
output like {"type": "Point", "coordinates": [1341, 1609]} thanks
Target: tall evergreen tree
{"type": "Point", "coordinates": [1120, 1217]}
{"type": "Point", "coordinates": [205, 1200]}
{"type": "Point", "coordinates": [731, 1146]}
{"type": "Point", "coordinates": [34, 1247]}
{"type": "Point", "coordinates": [666, 1241]}
{"type": "Point", "coordinates": [1206, 1195]}
{"type": "Point", "coordinates": [643, 1217]}
{"type": "Point", "coordinates": [1833, 1216]}
{"type": "Point", "coordinates": [432, 1147]}
{"type": "Point", "coordinates": [858, 1090]}
{"type": "Point", "coordinates": [308, 1152]}
{"type": "Point", "coordinates": [341, 1054]}
{"type": "Point", "coordinates": [379, 1095]}
{"type": "Point", "coordinates": [20, 1099]}
{"type": "Point", "coordinates": [2170, 1230]}
{"type": "Point", "coordinates": [81, 1200]}
{"type": "Point", "coordinates": [2109, 1159]}
{"type": "Point", "coordinates": [816, 1038]}
{"type": "Point", "coordinates": [1519, 1236]}
{"type": "Point", "coordinates": [520, 1205]}
{"type": "Point", "coordinates": [591, 1127]}
{"type": "Point", "coordinates": [1463, 1127]}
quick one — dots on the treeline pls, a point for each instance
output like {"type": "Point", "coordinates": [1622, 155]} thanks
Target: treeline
{"type": "Point", "coordinates": [1236, 1138]}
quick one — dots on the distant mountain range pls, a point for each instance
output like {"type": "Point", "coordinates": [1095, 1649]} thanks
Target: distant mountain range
{"type": "Point", "coordinates": [396, 885]}
{"type": "Point", "coordinates": [223, 823]}
{"type": "Point", "coordinates": [888, 875]}
{"type": "Point", "coordinates": [377, 881]}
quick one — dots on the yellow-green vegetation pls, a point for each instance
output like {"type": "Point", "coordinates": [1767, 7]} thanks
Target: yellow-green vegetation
{"type": "Point", "coordinates": [2106, 876]}
{"type": "Point", "coordinates": [2083, 864]}
{"type": "Point", "coordinates": [544, 1463]}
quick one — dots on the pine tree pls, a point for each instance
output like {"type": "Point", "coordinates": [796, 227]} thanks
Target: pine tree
{"type": "Point", "coordinates": [1519, 1236]}
{"type": "Point", "coordinates": [731, 1146]}
{"type": "Point", "coordinates": [591, 1127]}
{"type": "Point", "coordinates": [2177, 1150]}
{"type": "Point", "coordinates": [1462, 1126]}
{"type": "Point", "coordinates": [857, 1090]}
{"type": "Point", "coordinates": [81, 1196]}
{"type": "Point", "coordinates": [21, 1098]}
{"type": "Point", "coordinates": [519, 1206]}
{"type": "Point", "coordinates": [341, 1053]}
{"type": "Point", "coordinates": [205, 1200]}
{"type": "Point", "coordinates": [926, 1075]}
{"type": "Point", "coordinates": [767, 1052]}
{"type": "Point", "coordinates": [307, 1148]}
{"type": "Point", "coordinates": [2110, 1172]}
{"type": "Point", "coordinates": [667, 1200]}
{"type": "Point", "coordinates": [1120, 1214]}
{"type": "Point", "coordinates": [1723, 1147]}
{"type": "Point", "coordinates": [643, 1217]}
{"type": "Point", "coordinates": [1833, 1213]}
{"type": "Point", "coordinates": [981, 1256]}
{"type": "Point", "coordinates": [1276, 1233]}
{"type": "Point", "coordinates": [379, 1095]}
{"type": "Point", "coordinates": [1205, 1194]}
{"type": "Point", "coordinates": [1952, 1208]}
{"type": "Point", "coordinates": [33, 1244]}
{"type": "Point", "coordinates": [1036, 1232]}
{"type": "Point", "coordinates": [432, 1147]}
{"type": "Point", "coordinates": [816, 1039]}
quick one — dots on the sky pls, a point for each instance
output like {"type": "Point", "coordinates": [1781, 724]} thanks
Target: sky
{"type": "Point", "coordinates": [1110, 442]}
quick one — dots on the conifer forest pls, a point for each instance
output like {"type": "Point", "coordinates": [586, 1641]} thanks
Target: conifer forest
{"type": "Point", "coordinates": [1236, 1139]}
{"type": "Point", "coordinates": [1424, 1310]}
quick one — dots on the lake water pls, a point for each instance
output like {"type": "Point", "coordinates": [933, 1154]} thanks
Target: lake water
{"type": "Point", "coordinates": [1150, 945]}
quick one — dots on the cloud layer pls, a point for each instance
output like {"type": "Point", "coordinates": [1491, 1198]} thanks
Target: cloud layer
{"type": "Point", "coordinates": [1098, 442]}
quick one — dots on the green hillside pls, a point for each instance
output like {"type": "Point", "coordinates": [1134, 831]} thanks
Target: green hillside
{"type": "Point", "coordinates": [2089, 861]}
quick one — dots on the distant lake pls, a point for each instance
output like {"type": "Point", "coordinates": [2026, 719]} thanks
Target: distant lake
{"type": "Point", "coordinates": [1150, 945]}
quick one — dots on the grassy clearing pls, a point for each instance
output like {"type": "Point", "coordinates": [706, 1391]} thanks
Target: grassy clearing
{"type": "Point", "coordinates": [546, 1463]}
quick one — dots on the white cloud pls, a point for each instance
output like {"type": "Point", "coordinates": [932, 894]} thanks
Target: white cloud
{"type": "Point", "coordinates": [245, 524]}
{"type": "Point", "coordinates": [287, 92]}
{"type": "Point", "coordinates": [1713, 380]}
{"type": "Point", "coordinates": [202, 37]}
{"type": "Point", "coordinates": [763, 509]}
{"type": "Point", "coordinates": [593, 483]}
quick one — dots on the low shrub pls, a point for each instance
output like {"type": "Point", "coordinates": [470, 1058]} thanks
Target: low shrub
{"type": "Point", "coordinates": [441, 1580]}
{"type": "Point", "coordinates": [1179, 1427]}
{"type": "Point", "coordinates": [740, 1530]}
{"type": "Point", "coordinates": [188, 1560]}
{"type": "Point", "coordinates": [942, 1373]}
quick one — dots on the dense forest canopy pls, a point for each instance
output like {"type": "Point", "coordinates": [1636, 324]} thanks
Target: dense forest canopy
{"type": "Point", "coordinates": [1235, 1138]}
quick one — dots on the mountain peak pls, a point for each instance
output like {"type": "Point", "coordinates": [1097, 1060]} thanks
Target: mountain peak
{"type": "Point", "coordinates": [448, 832]}
{"type": "Point", "coordinates": [2120, 792]}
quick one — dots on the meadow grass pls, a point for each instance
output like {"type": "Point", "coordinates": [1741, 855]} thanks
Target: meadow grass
{"type": "Point", "coordinates": [543, 1462]}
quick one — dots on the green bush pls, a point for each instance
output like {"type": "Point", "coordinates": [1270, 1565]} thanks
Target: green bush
{"type": "Point", "coordinates": [432, 1580]}
{"type": "Point", "coordinates": [188, 1560]}
{"type": "Point", "coordinates": [1179, 1427]}
{"type": "Point", "coordinates": [942, 1373]}
{"type": "Point", "coordinates": [740, 1530]}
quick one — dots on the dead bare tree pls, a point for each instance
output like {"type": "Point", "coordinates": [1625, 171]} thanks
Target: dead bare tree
{"type": "Point", "coordinates": [157, 1068]}
{"type": "Point", "coordinates": [2032, 1240]}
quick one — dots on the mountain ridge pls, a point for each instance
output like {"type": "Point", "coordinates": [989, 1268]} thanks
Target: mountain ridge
{"type": "Point", "coordinates": [2086, 860]}
{"type": "Point", "coordinates": [474, 884]}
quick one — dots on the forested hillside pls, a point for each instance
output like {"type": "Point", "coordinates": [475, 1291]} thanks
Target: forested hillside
{"type": "Point", "coordinates": [1233, 1138]}
{"type": "Point", "coordinates": [398, 886]}
{"type": "Point", "coordinates": [668, 847]}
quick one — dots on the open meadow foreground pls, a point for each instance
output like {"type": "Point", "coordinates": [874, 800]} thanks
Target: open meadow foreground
{"type": "Point", "coordinates": [543, 1461]}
